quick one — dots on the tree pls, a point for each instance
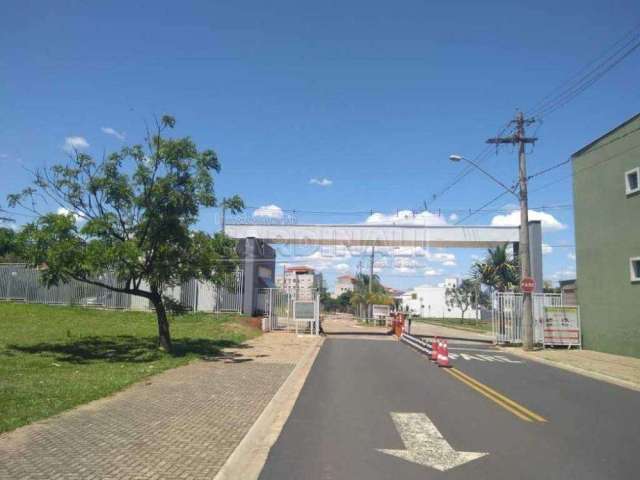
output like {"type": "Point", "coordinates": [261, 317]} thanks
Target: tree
{"type": "Point", "coordinates": [499, 270]}
{"type": "Point", "coordinates": [131, 214]}
{"type": "Point", "coordinates": [361, 295]}
{"type": "Point", "coordinates": [461, 296]}
{"type": "Point", "coordinates": [9, 245]}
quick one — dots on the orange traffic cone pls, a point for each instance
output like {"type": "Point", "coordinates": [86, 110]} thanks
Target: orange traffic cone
{"type": "Point", "coordinates": [435, 347]}
{"type": "Point", "coordinates": [443, 355]}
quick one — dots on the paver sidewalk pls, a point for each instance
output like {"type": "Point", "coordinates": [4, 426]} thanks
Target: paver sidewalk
{"type": "Point", "coordinates": [182, 423]}
{"type": "Point", "coordinates": [616, 369]}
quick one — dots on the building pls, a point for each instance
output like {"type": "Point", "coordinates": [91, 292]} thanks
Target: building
{"type": "Point", "coordinates": [344, 283]}
{"type": "Point", "coordinates": [431, 302]}
{"type": "Point", "coordinates": [606, 191]}
{"type": "Point", "coordinates": [569, 292]}
{"type": "Point", "coordinates": [301, 281]}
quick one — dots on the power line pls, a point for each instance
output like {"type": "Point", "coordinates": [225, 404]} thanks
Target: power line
{"type": "Point", "coordinates": [474, 212]}
{"type": "Point", "coordinates": [571, 88]}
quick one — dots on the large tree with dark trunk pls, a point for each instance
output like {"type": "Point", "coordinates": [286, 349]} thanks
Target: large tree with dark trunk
{"type": "Point", "coordinates": [131, 214]}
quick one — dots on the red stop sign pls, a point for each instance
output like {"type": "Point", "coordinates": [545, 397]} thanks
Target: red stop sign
{"type": "Point", "coordinates": [528, 284]}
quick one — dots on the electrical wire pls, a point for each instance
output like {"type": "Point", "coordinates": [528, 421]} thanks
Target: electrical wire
{"type": "Point", "coordinates": [571, 88]}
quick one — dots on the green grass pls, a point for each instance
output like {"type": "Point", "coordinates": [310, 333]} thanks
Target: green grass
{"type": "Point", "coordinates": [466, 324]}
{"type": "Point", "coordinates": [53, 358]}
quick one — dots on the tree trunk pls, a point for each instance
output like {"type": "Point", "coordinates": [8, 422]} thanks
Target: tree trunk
{"type": "Point", "coordinates": [164, 335]}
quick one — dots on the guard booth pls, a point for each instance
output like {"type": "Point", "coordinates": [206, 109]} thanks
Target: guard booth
{"type": "Point", "coordinates": [259, 266]}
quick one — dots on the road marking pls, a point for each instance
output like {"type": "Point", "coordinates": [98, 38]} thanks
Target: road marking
{"type": "Point", "coordinates": [425, 445]}
{"type": "Point", "coordinates": [518, 410]}
{"type": "Point", "coordinates": [483, 357]}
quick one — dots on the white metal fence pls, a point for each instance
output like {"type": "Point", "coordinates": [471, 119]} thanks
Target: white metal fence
{"type": "Point", "coordinates": [283, 311]}
{"type": "Point", "coordinates": [507, 315]}
{"type": "Point", "coordinates": [20, 283]}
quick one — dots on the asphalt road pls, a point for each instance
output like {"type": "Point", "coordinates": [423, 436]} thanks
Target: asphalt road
{"type": "Point", "coordinates": [343, 419]}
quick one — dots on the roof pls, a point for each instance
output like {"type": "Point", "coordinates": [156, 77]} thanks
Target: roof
{"type": "Point", "coordinates": [346, 277]}
{"type": "Point", "coordinates": [301, 269]}
{"type": "Point", "coordinates": [588, 146]}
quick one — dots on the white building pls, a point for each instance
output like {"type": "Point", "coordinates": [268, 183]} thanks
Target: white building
{"type": "Point", "coordinates": [429, 301]}
{"type": "Point", "coordinates": [344, 283]}
{"type": "Point", "coordinates": [302, 281]}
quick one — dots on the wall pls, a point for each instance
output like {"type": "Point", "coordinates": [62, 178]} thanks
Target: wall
{"type": "Point", "coordinates": [431, 302]}
{"type": "Point", "coordinates": [607, 226]}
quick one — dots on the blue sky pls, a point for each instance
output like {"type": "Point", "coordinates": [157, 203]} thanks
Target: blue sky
{"type": "Point", "coordinates": [371, 96]}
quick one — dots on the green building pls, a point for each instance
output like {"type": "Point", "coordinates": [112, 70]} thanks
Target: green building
{"type": "Point", "coordinates": [606, 190]}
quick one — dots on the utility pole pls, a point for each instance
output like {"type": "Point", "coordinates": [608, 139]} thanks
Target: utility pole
{"type": "Point", "coordinates": [369, 307]}
{"type": "Point", "coordinates": [519, 138]}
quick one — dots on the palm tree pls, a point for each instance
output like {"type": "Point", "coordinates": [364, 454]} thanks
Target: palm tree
{"type": "Point", "coordinates": [362, 297]}
{"type": "Point", "coordinates": [499, 270]}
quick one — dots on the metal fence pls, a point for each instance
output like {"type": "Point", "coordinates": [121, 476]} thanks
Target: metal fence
{"type": "Point", "coordinates": [507, 315]}
{"type": "Point", "coordinates": [283, 310]}
{"type": "Point", "coordinates": [20, 283]}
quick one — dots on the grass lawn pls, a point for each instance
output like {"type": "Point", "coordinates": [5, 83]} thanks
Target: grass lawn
{"type": "Point", "coordinates": [460, 324]}
{"type": "Point", "coordinates": [53, 358]}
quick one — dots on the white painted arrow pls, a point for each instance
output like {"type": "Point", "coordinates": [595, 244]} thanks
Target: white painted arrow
{"type": "Point", "coordinates": [425, 444]}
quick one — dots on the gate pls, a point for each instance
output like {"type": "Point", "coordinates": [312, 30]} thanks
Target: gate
{"type": "Point", "coordinates": [507, 315]}
{"type": "Point", "coordinates": [283, 311]}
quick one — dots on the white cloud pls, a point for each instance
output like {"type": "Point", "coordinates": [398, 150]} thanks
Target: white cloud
{"type": "Point", "coordinates": [75, 143]}
{"type": "Point", "coordinates": [546, 249]}
{"type": "Point", "coordinates": [406, 217]}
{"type": "Point", "coordinates": [405, 264]}
{"type": "Point", "coordinates": [512, 219]}
{"type": "Point", "coordinates": [342, 267]}
{"type": "Point", "coordinates": [453, 217]}
{"type": "Point", "coordinates": [564, 274]}
{"type": "Point", "coordinates": [269, 211]}
{"type": "Point", "coordinates": [432, 272]}
{"type": "Point", "coordinates": [4, 155]}
{"type": "Point", "coordinates": [64, 211]}
{"type": "Point", "coordinates": [113, 132]}
{"type": "Point", "coordinates": [321, 182]}
{"type": "Point", "coordinates": [572, 256]}
{"type": "Point", "coordinates": [448, 259]}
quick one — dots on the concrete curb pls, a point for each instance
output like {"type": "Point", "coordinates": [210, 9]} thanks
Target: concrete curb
{"type": "Point", "coordinates": [580, 371]}
{"type": "Point", "coordinates": [248, 459]}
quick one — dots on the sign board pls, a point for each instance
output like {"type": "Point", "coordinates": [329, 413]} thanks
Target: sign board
{"type": "Point", "coordinates": [381, 312]}
{"type": "Point", "coordinates": [528, 284]}
{"type": "Point", "coordinates": [561, 326]}
{"type": "Point", "coordinates": [303, 310]}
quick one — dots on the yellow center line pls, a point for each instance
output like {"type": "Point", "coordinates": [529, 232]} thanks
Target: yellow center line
{"type": "Point", "coordinates": [506, 403]}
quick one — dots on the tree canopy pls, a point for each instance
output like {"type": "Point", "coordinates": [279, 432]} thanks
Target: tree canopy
{"type": "Point", "coordinates": [130, 213]}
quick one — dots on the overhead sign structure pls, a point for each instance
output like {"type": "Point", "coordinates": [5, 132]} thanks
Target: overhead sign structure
{"type": "Point", "coordinates": [378, 235]}
{"type": "Point", "coordinates": [528, 285]}
{"type": "Point", "coordinates": [562, 326]}
{"type": "Point", "coordinates": [425, 445]}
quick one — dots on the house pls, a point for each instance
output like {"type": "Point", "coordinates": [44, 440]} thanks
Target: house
{"type": "Point", "coordinates": [302, 281]}
{"type": "Point", "coordinates": [606, 193]}
{"type": "Point", "coordinates": [344, 283]}
{"type": "Point", "coordinates": [431, 302]}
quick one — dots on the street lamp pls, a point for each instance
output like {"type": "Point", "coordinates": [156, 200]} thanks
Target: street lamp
{"type": "Point", "coordinates": [525, 261]}
{"type": "Point", "coordinates": [458, 158]}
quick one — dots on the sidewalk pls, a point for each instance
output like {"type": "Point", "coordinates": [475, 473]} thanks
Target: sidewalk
{"type": "Point", "coordinates": [422, 328]}
{"type": "Point", "coordinates": [183, 423]}
{"type": "Point", "coordinates": [616, 369]}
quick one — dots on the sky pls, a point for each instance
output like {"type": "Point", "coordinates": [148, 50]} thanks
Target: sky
{"type": "Point", "coordinates": [323, 112]}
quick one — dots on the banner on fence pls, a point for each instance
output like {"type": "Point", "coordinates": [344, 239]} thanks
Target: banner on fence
{"type": "Point", "coordinates": [562, 326]}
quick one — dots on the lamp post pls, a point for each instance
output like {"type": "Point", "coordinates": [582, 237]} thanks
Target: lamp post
{"type": "Point", "coordinates": [525, 261]}
{"type": "Point", "coordinates": [458, 158]}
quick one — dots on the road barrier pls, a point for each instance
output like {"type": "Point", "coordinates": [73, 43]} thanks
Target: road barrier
{"type": "Point", "coordinates": [443, 355]}
{"type": "Point", "coordinates": [437, 350]}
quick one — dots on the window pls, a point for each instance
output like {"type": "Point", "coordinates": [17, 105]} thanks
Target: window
{"type": "Point", "coordinates": [634, 266]}
{"type": "Point", "coordinates": [632, 181]}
